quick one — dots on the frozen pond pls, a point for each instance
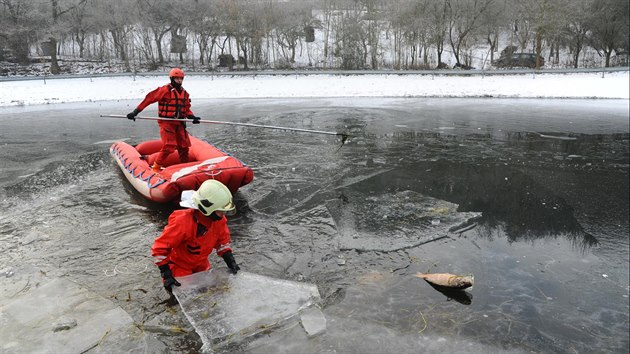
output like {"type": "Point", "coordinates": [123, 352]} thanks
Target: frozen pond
{"type": "Point", "coordinates": [538, 190]}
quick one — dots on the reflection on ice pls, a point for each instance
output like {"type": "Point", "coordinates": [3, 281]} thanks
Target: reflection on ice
{"type": "Point", "coordinates": [461, 296]}
{"type": "Point", "coordinates": [226, 308]}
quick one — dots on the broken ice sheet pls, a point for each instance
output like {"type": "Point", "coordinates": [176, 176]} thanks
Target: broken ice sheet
{"type": "Point", "coordinates": [313, 321]}
{"type": "Point", "coordinates": [225, 308]}
{"type": "Point", "coordinates": [60, 316]}
{"type": "Point", "coordinates": [393, 221]}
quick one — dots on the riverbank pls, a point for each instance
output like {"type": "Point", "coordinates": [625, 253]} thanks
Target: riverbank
{"type": "Point", "coordinates": [580, 85]}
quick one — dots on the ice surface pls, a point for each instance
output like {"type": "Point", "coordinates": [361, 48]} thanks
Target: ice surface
{"type": "Point", "coordinates": [60, 316]}
{"type": "Point", "coordinates": [378, 314]}
{"type": "Point", "coordinates": [313, 321]}
{"type": "Point", "coordinates": [393, 221]}
{"type": "Point", "coordinates": [226, 308]}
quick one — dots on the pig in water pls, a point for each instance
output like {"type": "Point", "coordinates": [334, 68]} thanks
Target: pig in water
{"type": "Point", "coordinates": [448, 280]}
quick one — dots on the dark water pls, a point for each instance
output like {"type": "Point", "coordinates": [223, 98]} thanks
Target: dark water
{"type": "Point", "coordinates": [549, 250]}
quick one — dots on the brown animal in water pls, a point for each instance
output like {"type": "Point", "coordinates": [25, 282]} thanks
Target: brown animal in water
{"type": "Point", "coordinates": [448, 280]}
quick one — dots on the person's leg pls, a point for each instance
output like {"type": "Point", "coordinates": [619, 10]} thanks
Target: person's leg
{"type": "Point", "coordinates": [169, 144]}
{"type": "Point", "coordinates": [183, 143]}
{"type": "Point", "coordinates": [183, 154]}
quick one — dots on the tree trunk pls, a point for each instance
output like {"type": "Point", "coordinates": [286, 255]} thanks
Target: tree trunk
{"type": "Point", "coordinates": [54, 64]}
{"type": "Point", "coordinates": [101, 48]}
{"type": "Point", "coordinates": [158, 45]}
{"type": "Point", "coordinates": [538, 48]}
{"type": "Point", "coordinates": [492, 41]}
{"type": "Point", "coordinates": [578, 49]}
{"type": "Point", "coordinates": [245, 56]}
{"type": "Point", "coordinates": [203, 46]}
{"type": "Point", "coordinates": [426, 55]}
{"type": "Point", "coordinates": [440, 48]}
{"type": "Point", "coordinates": [80, 38]}
{"type": "Point", "coordinates": [327, 18]}
{"type": "Point", "coordinates": [413, 54]}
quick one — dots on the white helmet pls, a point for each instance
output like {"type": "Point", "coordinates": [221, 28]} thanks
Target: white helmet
{"type": "Point", "coordinates": [211, 196]}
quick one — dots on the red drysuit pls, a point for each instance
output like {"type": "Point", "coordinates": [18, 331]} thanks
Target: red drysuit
{"type": "Point", "coordinates": [171, 104]}
{"type": "Point", "coordinates": [188, 240]}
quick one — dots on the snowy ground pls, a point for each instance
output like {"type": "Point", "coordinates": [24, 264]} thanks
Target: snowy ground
{"type": "Point", "coordinates": [583, 85]}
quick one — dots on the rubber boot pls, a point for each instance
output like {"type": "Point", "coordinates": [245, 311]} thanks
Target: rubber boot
{"type": "Point", "coordinates": [156, 167]}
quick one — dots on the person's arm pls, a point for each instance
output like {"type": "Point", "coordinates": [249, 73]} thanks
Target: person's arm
{"type": "Point", "coordinates": [224, 249]}
{"type": "Point", "coordinates": [190, 114]}
{"type": "Point", "coordinates": [150, 98]}
{"type": "Point", "coordinates": [171, 236]}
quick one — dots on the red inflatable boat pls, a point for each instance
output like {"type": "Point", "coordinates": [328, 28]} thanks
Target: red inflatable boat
{"type": "Point", "coordinates": [205, 162]}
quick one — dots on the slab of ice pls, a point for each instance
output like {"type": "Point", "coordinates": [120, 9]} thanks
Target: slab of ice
{"type": "Point", "coordinates": [60, 316]}
{"type": "Point", "coordinates": [393, 221]}
{"type": "Point", "coordinates": [225, 308]}
{"type": "Point", "coordinates": [313, 321]}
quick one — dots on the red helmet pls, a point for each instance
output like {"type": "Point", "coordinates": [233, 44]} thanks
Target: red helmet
{"type": "Point", "coordinates": [176, 72]}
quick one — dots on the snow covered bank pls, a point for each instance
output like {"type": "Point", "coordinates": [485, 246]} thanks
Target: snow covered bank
{"type": "Point", "coordinates": [584, 85]}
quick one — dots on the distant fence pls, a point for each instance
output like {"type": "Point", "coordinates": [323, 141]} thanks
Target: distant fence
{"type": "Point", "coordinates": [446, 72]}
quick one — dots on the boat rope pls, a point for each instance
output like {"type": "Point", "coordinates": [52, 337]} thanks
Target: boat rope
{"type": "Point", "coordinates": [116, 150]}
{"type": "Point", "coordinates": [160, 181]}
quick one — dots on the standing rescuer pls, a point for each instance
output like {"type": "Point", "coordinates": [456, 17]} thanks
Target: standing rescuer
{"type": "Point", "coordinates": [173, 102]}
{"type": "Point", "coordinates": [192, 234]}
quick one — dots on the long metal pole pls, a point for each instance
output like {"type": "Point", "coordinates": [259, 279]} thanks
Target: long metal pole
{"type": "Point", "coordinates": [344, 136]}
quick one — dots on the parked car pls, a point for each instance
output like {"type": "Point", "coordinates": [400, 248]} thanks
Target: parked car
{"type": "Point", "coordinates": [525, 60]}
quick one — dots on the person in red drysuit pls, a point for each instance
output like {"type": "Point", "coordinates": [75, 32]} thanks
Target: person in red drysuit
{"type": "Point", "coordinates": [192, 234]}
{"type": "Point", "coordinates": [173, 102]}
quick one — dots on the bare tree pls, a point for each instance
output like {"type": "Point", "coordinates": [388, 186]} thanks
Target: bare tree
{"type": "Point", "coordinates": [437, 12]}
{"type": "Point", "coordinates": [116, 18]}
{"type": "Point", "coordinates": [263, 34]}
{"type": "Point", "coordinates": [609, 27]}
{"type": "Point", "coordinates": [372, 18]}
{"type": "Point", "coordinates": [289, 27]}
{"type": "Point", "coordinates": [351, 39]}
{"type": "Point", "coordinates": [354, 33]}
{"type": "Point", "coordinates": [203, 21]}
{"type": "Point", "coordinates": [541, 15]}
{"type": "Point", "coordinates": [494, 22]}
{"type": "Point", "coordinates": [411, 26]}
{"type": "Point", "coordinates": [464, 18]}
{"type": "Point", "coordinates": [576, 26]}
{"type": "Point", "coordinates": [158, 16]}
{"type": "Point", "coordinates": [252, 28]}
{"type": "Point", "coordinates": [20, 22]}
{"type": "Point", "coordinates": [58, 11]}
{"type": "Point", "coordinates": [81, 21]}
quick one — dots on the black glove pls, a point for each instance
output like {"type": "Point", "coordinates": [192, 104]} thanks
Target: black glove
{"type": "Point", "coordinates": [228, 257]}
{"type": "Point", "coordinates": [133, 114]}
{"type": "Point", "coordinates": [195, 119]}
{"type": "Point", "coordinates": [169, 280]}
